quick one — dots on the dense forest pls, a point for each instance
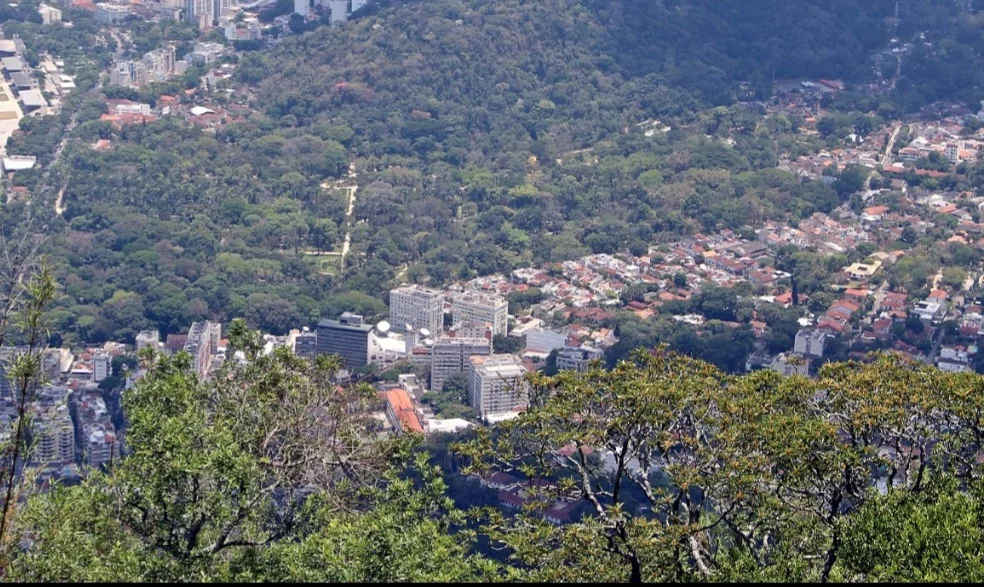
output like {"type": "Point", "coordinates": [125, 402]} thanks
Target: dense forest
{"type": "Point", "coordinates": [485, 136]}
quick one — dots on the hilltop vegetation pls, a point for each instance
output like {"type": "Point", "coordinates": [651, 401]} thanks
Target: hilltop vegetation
{"type": "Point", "coordinates": [869, 473]}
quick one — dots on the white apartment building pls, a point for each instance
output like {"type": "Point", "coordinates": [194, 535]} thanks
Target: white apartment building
{"type": "Point", "coordinates": [49, 14]}
{"type": "Point", "coordinates": [101, 367]}
{"type": "Point", "coordinates": [577, 358]}
{"type": "Point", "coordinates": [417, 306]}
{"type": "Point", "coordinates": [109, 13]}
{"type": "Point", "coordinates": [810, 342]}
{"type": "Point", "coordinates": [480, 307]}
{"type": "Point", "coordinates": [451, 355]}
{"type": "Point", "coordinates": [496, 384]}
{"type": "Point", "coordinates": [302, 7]}
{"type": "Point", "coordinates": [132, 108]}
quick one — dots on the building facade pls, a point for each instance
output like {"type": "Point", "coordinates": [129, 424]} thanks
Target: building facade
{"type": "Point", "coordinates": [420, 307]}
{"type": "Point", "coordinates": [347, 337]}
{"type": "Point", "coordinates": [479, 307]}
{"type": "Point", "coordinates": [202, 345]}
{"type": "Point", "coordinates": [451, 355]}
{"type": "Point", "coordinates": [101, 367]}
{"type": "Point", "coordinates": [577, 358]}
{"type": "Point", "coordinates": [810, 341]}
{"type": "Point", "coordinates": [110, 13]}
{"type": "Point", "coordinates": [496, 384]}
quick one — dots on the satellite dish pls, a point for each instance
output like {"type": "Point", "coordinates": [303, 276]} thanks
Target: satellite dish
{"type": "Point", "coordinates": [425, 333]}
{"type": "Point", "coordinates": [383, 327]}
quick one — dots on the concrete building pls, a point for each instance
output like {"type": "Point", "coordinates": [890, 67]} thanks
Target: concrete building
{"type": "Point", "coordinates": [218, 7]}
{"type": "Point", "coordinates": [148, 338]}
{"type": "Point", "coordinates": [126, 108]}
{"type": "Point", "coordinates": [496, 384]}
{"type": "Point", "coordinates": [450, 356]}
{"type": "Point", "coordinates": [205, 53]}
{"type": "Point", "coordinates": [473, 306]}
{"type": "Point", "coordinates": [791, 364]}
{"type": "Point", "coordinates": [347, 337]}
{"type": "Point", "coordinates": [929, 311]}
{"type": "Point", "coordinates": [49, 14]}
{"type": "Point", "coordinates": [199, 12]}
{"type": "Point", "coordinates": [55, 437]}
{"type": "Point", "coordinates": [302, 7]}
{"type": "Point", "coordinates": [810, 341]}
{"type": "Point", "coordinates": [306, 344]}
{"type": "Point", "coordinates": [417, 306]}
{"type": "Point", "coordinates": [542, 340]}
{"type": "Point", "coordinates": [155, 66]}
{"type": "Point", "coordinates": [247, 31]}
{"type": "Point", "coordinates": [111, 13]}
{"type": "Point", "coordinates": [202, 345]}
{"type": "Point", "coordinates": [471, 329]}
{"type": "Point", "coordinates": [573, 358]}
{"type": "Point", "coordinates": [101, 367]}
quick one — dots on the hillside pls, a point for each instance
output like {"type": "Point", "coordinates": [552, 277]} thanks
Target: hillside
{"type": "Point", "coordinates": [486, 136]}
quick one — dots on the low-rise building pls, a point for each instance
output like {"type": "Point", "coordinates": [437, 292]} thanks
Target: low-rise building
{"type": "Point", "coordinates": [810, 341]}
{"type": "Point", "coordinates": [577, 358]}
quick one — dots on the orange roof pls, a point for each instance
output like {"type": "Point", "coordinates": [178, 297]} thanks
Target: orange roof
{"type": "Point", "coordinates": [399, 401]}
{"type": "Point", "coordinates": [876, 210]}
{"type": "Point", "coordinates": [856, 293]}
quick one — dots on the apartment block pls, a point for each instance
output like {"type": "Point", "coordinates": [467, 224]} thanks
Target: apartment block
{"type": "Point", "coordinates": [480, 307]}
{"type": "Point", "coordinates": [810, 341]}
{"type": "Point", "coordinates": [496, 384]}
{"type": "Point", "coordinates": [451, 355]}
{"type": "Point", "coordinates": [202, 345]}
{"type": "Point", "coordinates": [577, 358]}
{"type": "Point", "coordinates": [420, 307]}
{"type": "Point", "coordinates": [471, 329]}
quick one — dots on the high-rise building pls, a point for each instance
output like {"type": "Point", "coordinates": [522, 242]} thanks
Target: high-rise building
{"type": "Point", "coordinates": [199, 12]}
{"type": "Point", "coordinates": [497, 384]}
{"type": "Point", "coordinates": [218, 7]}
{"type": "Point", "coordinates": [577, 358]}
{"type": "Point", "coordinates": [101, 367]}
{"type": "Point", "coordinates": [450, 356]}
{"type": "Point", "coordinates": [302, 7]}
{"type": "Point", "coordinates": [471, 329]}
{"type": "Point", "coordinates": [481, 307]}
{"type": "Point", "coordinates": [55, 437]}
{"type": "Point", "coordinates": [202, 345]}
{"type": "Point", "coordinates": [347, 337]}
{"type": "Point", "coordinates": [417, 306]}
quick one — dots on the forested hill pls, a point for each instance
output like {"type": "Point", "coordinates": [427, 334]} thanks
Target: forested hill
{"type": "Point", "coordinates": [579, 66]}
